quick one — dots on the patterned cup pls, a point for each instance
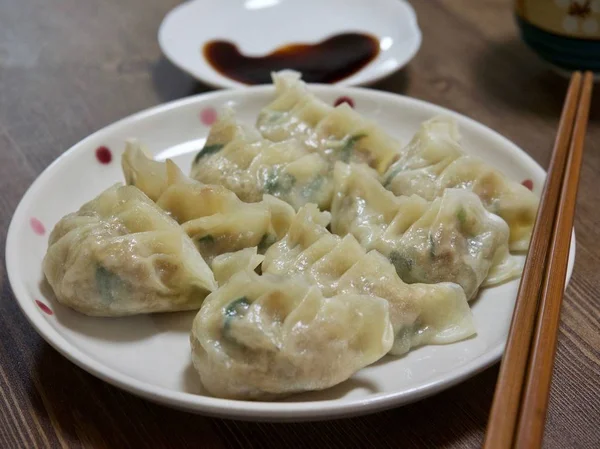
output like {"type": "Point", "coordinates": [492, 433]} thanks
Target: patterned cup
{"type": "Point", "coordinates": [566, 33]}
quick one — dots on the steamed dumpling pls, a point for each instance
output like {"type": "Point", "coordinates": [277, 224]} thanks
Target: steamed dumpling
{"type": "Point", "coordinates": [121, 255]}
{"type": "Point", "coordinates": [230, 148]}
{"type": "Point", "coordinates": [259, 337]}
{"type": "Point", "coordinates": [226, 265]}
{"type": "Point", "coordinates": [339, 134]}
{"type": "Point", "coordinates": [420, 313]}
{"type": "Point", "coordinates": [238, 158]}
{"type": "Point", "coordinates": [452, 239]}
{"type": "Point", "coordinates": [142, 171]}
{"type": "Point", "coordinates": [434, 161]}
{"type": "Point", "coordinates": [215, 218]}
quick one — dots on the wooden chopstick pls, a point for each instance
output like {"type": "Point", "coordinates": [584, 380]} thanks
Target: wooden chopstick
{"type": "Point", "coordinates": [530, 429]}
{"type": "Point", "coordinates": [505, 407]}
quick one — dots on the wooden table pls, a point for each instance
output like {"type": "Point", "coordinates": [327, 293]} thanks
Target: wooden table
{"type": "Point", "coordinates": [69, 67]}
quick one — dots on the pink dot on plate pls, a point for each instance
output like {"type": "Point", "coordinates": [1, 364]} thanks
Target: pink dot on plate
{"type": "Point", "coordinates": [528, 183]}
{"type": "Point", "coordinates": [341, 100]}
{"type": "Point", "coordinates": [208, 116]}
{"type": "Point", "coordinates": [103, 155]}
{"type": "Point", "coordinates": [37, 226]}
{"type": "Point", "coordinates": [44, 307]}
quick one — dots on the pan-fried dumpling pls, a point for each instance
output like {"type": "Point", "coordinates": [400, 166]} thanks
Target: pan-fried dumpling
{"type": "Point", "coordinates": [338, 133]}
{"type": "Point", "coordinates": [259, 337]}
{"type": "Point", "coordinates": [121, 255]}
{"type": "Point", "coordinates": [434, 161]}
{"type": "Point", "coordinates": [452, 239]}
{"type": "Point", "coordinates": [215, 218]}
{"type": "Point", "coordinates": [240, 160]}
{"type": "Point", "coordinates": [420, 313]}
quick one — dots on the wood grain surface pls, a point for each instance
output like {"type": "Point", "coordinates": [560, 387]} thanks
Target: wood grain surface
{"type": "Point", "coordinates": [70, 67]}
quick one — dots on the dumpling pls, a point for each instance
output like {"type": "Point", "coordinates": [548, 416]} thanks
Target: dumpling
{"type": "Point", "coordinates": [276, 121]}
{"type": "Point", "coordinates": [230, 148]}
{"type": "Point", "coordinates": [142, 171]}
{"type": "Point", "coordinates": [338, 133]}
{"type": "Point", "coordinates": [121, 255]}
{"type": "Point", "coordinates": [306, 242]}
{"type": "Point", "coordinates": [240, 160]}
{"type": "Point", "coordinates": [296, 179]}
{"type": "Point", "coordinates": [362, 207]}
{"type": "Point", "coordinates": [452, 239]}
{"type": "Point", "coordinates": [226, 265]}
{"type": "Point", "coordinates": [215, 218]}
{"type": "Point", "coordinates": [420, 313]}
{"type": "Point", "coordinates": [260, 337]}
{"type": "Point", "coordinates": [218, 221]}
{"type": "Point", "coordinates": [434, 161]}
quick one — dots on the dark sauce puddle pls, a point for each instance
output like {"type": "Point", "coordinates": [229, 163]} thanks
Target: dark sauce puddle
{"type": "Point", "coordinates": [327, 61]}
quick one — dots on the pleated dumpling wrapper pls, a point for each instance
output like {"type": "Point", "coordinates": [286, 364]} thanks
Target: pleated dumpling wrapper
{"type": "Point", "coordinates": [214, 217]}
{"type": "Point", "coordinates": [337, 133]}
{"type": "Point", "coordinates": [262, 337]}
{"type": "Point", "coordinates": [120, 254]}
{"type": "Point", "coordinates": [226, 265]}
{"type": "Point", "coordinates": [434, 161]}
{"type": "Point", "coordinates": [450, 239]}
{"type": "Point", "coordinates": [420, 313]}
{"type": "Point", "coordinates": [238, 158]}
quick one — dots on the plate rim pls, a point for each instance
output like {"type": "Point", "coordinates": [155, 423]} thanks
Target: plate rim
{"type": "Point", "coordinates": [220, 81]}
{"type": "Point", "coordinates": [229, 408]}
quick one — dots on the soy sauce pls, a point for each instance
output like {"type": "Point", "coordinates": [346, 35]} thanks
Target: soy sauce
{"type": "Point", "coordinates": [331, 60]}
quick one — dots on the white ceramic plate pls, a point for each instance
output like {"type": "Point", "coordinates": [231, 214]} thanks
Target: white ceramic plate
{"type": "Point", "coordinates": [260, 26]}
{"type": "Point", "coordinates": [150, 355]}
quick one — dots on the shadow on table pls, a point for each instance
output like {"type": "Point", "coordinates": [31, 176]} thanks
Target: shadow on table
{"type": "Point", "coordinates": [85, 409]}
{"type": "Point", "coordinates": [453, 418]}
{"type": "Point", "coordinates": [171, 83]}
{"type": "Point", "coordinates": [512, 74]}
{"type": "Point", "coordinates": [396, 83]}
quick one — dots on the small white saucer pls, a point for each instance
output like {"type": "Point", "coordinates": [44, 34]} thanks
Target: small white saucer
{"type": "Point", "coordinates": [259, 27]}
